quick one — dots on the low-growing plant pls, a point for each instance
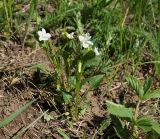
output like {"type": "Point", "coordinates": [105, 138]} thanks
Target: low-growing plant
{"type": "Point", "coordinates": [70, 62]}
{"type": "Point", "coordinates": [128, 121]}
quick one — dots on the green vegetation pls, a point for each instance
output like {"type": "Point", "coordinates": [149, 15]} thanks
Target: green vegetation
{"type": "Point", "coordinates": [89, 43]}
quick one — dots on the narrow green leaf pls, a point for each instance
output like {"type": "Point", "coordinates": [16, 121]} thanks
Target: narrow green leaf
{"type": "Point", "coordinates": [63, 134]}
{"type": "Point", "coordinates": [40, 67]}
{"type": "Point", "coordinates": [15, 114]}
{"type": "Point", "coordinates": [32, 9]}
{"type": "Point", "coordinates": [136, 85]}
{"type": "Point", "coordinates": [119, 110]}
{"type": "Point", "coordinates": [23, 130]}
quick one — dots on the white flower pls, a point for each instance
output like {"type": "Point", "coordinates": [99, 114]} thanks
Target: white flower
{"type": "Point", "coordinates": [69, 36]}
{"type": "Point", "coordinates": [43, 36]}
{"type": "Point", "coordinates": [85, 39]}
{"type": "Point", "coordinates": [96, 51]}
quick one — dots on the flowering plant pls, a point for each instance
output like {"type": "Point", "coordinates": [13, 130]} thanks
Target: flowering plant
{"type": "Point", "coordinates": [70, 63]}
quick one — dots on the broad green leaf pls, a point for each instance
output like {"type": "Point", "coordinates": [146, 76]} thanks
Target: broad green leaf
{"type": "Point", "coordinates": [156, 127]}
{"type": "Point", "coordinates": [67, 97]}
{"type": "Point", "coordinates": [148, 124]}
{"type": "Point", "coordinates": [145, 123]}
{"type": "Point", "coordinates": [147, 84]}
{"type": "Point", "coordinates": [136, 85]}
{"type": "Point", "coordinates": [88, 56]}
{"type": "Point", "coordinates": [153, 135]}
{"type": "Point", "coordinates": [94, 81]}
{"type": "Point", "coordinates": [120, 129]}
{"type": "Point", "coordinates": [93, 62]}
{"type": "Point", "coordinates": [119, 110]}
{"type": "Point", "coordinates": [63, 134]}
{"type": "Point", "coordinates": [153, 94]}
{"type": "Point", "coordinates": [15, 114]}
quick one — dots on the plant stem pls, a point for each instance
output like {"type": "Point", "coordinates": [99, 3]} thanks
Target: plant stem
{"type": "Point", "coordinates": [7, 15]}
{"type": "Point", "coordinates": [10, 12]}
{"type": "Point", "coordinates": [78, 78]}
{"type": "Point", "coordinates": [78, 87]}
{"type": "Point", "coordinates": [135, 118]}
{"type": "Point", "coordinates": [50, 52]}
{"type": "Point", "coordinates": [32, 9]}
{"type": "Point", "coordinates": [137, 110]}
{"type": "Point", "coordinates": [121, 26]}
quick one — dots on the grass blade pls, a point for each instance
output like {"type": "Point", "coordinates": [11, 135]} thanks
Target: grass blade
{"type": "Point", "coordinates": [30, 125]}
{"type": "Point", "coordinates": [32, 9]}
{"type": "Point", "coordinates": [64, 135]}
{"type": "Point", "coordinates": [15, 114]}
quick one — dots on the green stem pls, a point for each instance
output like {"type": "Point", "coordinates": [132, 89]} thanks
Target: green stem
{"type": "Point", "coordinates": [78, 87]}
{"type": "Point", "coordinates": [10, 12]}
{"type": "Point", "coordinates": [6, 12]}
{"type": "Point", "coordinates": [50, 52]}
{"type": "Point", "coordinates": [121, 26]}
{"type": "Point", "coordinates": [78, 78]}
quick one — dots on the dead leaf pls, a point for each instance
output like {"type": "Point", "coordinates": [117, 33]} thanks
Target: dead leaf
{"type": "Point", "coordinates": [15, 80]}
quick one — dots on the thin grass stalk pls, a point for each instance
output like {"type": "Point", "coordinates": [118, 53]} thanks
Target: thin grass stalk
{"type": "Point", "coordinates": [32, 9]}
{"type": "Point", "coordinates": [10, 12]}
{"type": "Point", "coordinates": [139, 11]}
{"type": "Point", "coordinates": [50, 52]}
{"type": "Point", "coordinates": [159, 6]}
{"type": "Point", "coordinates": [7, 14]}
{"type": "Point", "coordinates": [153, 13]}
{"type": "Point", "coordinates": [23, 130]}
{"type": "Point", "coordinates": [121, 25]}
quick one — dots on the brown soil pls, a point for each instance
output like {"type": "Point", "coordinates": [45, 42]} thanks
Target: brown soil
{"type": "Point", "coordinates": [15, 74]}
{"type": "Point", "coordinates": [16, 77]}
